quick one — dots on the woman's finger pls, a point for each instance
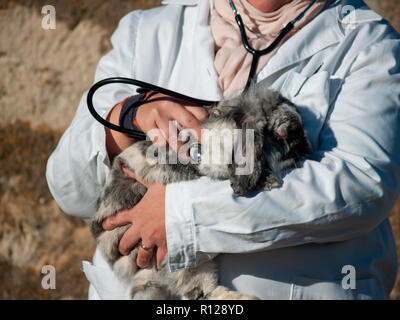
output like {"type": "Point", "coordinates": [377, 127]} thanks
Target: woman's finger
{"type": "Point", "coordinates": [121, 218]}
{"type": "Point", "coordinates": [170, 130]}
{"type": "Point", "coordinates": [189, 121]}
{"type": "Point", "coordinates": [157, 136]}
{"type": "Point", "coordinates": [145, 254]}
{"type": "Point", "coordinates": [129, 240]}
{"type": "Point", "coordinates": [199, 112]}
{"type": "Point", "coordinates": [161, 253]}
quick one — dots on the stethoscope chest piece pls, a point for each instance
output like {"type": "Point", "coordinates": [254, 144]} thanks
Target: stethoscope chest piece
{"type": "Point", "coordinates": [194, 153]}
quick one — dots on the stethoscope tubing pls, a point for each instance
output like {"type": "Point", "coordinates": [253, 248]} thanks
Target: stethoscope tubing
{"type": "Point", "coordinates": [258, 53]}
{"type": "Point", "coordinates": [148, 86]}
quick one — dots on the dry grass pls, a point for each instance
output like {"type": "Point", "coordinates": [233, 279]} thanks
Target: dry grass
{"type": "Point", "coordinates": [389, 9]}
{"type": "Point", "coordinates": [34, 232]}
{"type": "Point", "coordinates": [50, 70]}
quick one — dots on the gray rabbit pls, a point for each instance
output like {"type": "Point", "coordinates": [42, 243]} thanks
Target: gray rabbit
{"type": "Point", "coordinates": [267, 131]}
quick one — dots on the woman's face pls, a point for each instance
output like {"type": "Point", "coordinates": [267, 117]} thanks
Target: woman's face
{"type": "Point", "coordinates": [268, 5]}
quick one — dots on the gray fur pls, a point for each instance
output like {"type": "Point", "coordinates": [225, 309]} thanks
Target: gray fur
{"type": "Point", "coordinates": [279, 143]}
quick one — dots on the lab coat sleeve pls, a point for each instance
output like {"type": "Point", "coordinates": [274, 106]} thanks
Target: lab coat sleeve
{"type": "Point", "coordinates": [345, 189]}
{"type": "Point", "coordinates": [77, 169]}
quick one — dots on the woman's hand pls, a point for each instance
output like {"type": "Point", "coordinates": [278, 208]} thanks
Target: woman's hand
{"type": "Point", "coordinates": [154, 118]}
{"type": "Point", "coordinates": [148, 225]}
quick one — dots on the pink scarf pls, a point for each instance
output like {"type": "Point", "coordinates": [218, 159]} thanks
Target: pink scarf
{"type": "Point", "coordinates": [232, 61]}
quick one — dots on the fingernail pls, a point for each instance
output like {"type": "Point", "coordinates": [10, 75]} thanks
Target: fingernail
{"type": "Point", "coordinates": [123, 166]}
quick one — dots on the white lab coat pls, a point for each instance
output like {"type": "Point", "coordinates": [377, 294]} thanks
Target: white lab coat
{"type": "Point", "coordinates": [295, 242]}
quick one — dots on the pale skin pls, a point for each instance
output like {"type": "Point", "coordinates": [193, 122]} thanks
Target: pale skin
{"type": "Point", "coordinates": [148, 216]}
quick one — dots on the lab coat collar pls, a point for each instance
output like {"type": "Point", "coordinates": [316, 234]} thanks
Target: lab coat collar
{"type": "Point", "coordinates": [355, 12]}
{"type": "Point", "coordinates": [310, 40]}
{"type": "Point", "coordinates": [302, 45]}
{"type": "Point", "coordinates": [181, 2]}
{"type": "Point", "coordinates": [307, 41]}
{"type": "Point", "coordinates": [202, 49]}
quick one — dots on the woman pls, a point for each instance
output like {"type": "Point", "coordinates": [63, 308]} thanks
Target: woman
{"type": "Point", "coordinates": [325, 233]}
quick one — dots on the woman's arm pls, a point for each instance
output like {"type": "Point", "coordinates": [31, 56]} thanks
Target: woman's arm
{"type": "Point", "coordinates": [116, 141]}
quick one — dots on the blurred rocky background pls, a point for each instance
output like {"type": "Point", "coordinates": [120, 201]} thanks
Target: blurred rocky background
{"type": "Point", "coordinates": [43, 75]}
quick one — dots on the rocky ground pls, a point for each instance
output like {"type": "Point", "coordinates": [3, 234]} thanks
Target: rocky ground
{"type": "Point", "coordinates": [43, 75]}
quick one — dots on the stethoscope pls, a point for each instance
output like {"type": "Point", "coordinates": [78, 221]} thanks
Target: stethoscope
{"type": "Point", "coordinates": [146, 87]}
{"type": "Point", "coordinates": [258, 53]}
